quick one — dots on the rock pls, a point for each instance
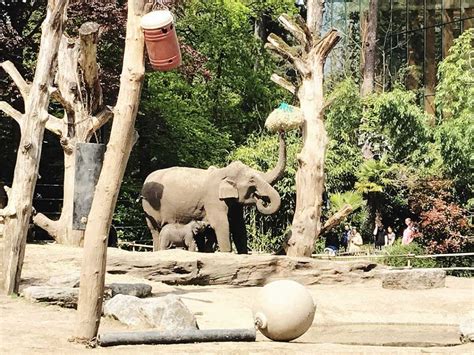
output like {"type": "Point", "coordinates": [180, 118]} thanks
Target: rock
{"type": "Point", "coordinates": [466, 328]}
{"type": "Point", "coordinates": [61, 296]}
{"type": "Point", "coordinates": [413, 279]}
{"type": "Point", "coordinates": [180, 267]}
{"type": "Point", "coordinates": [140, 290]}
{"type": "Point", "coordinates": [164, 313]}
{"type": "Point", "coordinates": [68, 280]}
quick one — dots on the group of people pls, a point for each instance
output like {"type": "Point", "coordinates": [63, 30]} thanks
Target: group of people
{"type": "Point", "coordinates": [351, 239]}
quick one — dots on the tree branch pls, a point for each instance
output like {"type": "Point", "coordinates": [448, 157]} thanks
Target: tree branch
{"type": "Point", "coordinates": [336, 218]}
{"type": "Point", "coordinates": [295, 30]}
{"type": "Point", "coordinates": [314, 16]}
{"type": "Point", "coordinates": [47, 224]}
{"type": "Point", "coordinates": [326, 44]}
{"type": "Point", "coordinates": [8, 211]}
{"type": "Point", "coordinates": [17, 78]}
{"type": "Point", "coordinates": [88, 62]}
{"type": "Point", "coordinates": [302, 24]}
{"type": "Point", "coordinates": [277, 79]}
{"type": "Point", "coordinates": [54, 125]}
{"type": "Point", "coordinates": [280, 47]}
{"type": "Point", "coordinates": [98, 121]}
{"type": "Point", "coordinates": [10, 111]}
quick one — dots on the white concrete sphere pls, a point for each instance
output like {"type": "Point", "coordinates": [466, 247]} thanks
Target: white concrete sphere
{"type": "Point", "coordinates": [284, 310]}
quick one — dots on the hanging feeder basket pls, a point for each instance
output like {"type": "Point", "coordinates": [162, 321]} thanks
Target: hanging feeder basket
{"type": "Point", "coordinates": [284, 118]}
{"type": "Point", "coordinates": [161, 41]}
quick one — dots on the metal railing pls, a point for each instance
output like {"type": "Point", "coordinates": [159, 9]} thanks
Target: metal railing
{"type": "Point", "coordinates": [409, 257]}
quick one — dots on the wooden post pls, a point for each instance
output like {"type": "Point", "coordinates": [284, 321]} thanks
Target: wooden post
{"type": "Point", "coordinates": [32, 124]}
{"type": "Point", "coordinates": [107, 189]}
{"type": "Point", "coordinates": [308, 61]}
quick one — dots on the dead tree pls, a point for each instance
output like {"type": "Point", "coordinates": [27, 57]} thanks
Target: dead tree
{"type": "Point", "coordinates": [308, 59]}
{"type": "Point", "coordinates": [115, 161]}
{"type": "Point", "coordinates": [78, 90]}
{"type": "Point", "coordinates": [32, 124]}
{"type": "Point", "coordinates": [369, 41]}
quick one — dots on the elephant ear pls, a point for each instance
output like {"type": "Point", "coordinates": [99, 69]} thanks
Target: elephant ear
{"type": "Point", "coordinates": [227, 189]}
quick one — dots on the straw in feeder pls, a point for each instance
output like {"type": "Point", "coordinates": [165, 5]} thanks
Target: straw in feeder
{"type": "Point", "coordinates": [284, 118]}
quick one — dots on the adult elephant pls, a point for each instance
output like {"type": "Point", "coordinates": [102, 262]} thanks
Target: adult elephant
{"type": "Point", "coordinates": [216, 195]}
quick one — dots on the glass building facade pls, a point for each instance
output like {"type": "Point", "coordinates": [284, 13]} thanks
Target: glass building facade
{"type": "Point", "coordinates": [413, 36]}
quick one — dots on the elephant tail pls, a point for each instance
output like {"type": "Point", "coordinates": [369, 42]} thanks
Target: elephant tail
{"type": "Point", "coordinates": [156, 225]}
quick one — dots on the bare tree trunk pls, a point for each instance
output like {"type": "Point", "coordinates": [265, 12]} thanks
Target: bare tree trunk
{"type": "Point", "coordinates": [108, 186]}
{"type": "Point", "coordinates": [310, 67]}
{"type": "Point", "coordinates": [61, 230]}
{"type": "Point", "coordinates": [79, 91]}
{"type": "Point", "coordinates": [18, 211]}
{"type": "Point", "coordinates": [369, 40]}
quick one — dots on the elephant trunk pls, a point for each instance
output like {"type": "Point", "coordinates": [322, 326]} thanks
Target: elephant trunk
{"type": "Point", "coordinates": [268, 200]}
{"type": "Point", "coordinates": [276, 173]}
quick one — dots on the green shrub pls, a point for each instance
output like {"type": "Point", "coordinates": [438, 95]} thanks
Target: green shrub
{"type": "Point", "coordinates": [399, 249]}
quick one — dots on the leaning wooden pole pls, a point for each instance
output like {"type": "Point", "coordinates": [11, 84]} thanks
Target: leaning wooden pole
{"type": "Point", "coordinates": [107, 189]}
{"type": "Point", "coordinates": [32, 124]}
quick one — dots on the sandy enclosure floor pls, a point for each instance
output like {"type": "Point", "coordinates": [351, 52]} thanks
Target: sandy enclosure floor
{"type": "Point", "coordinates": [355, 318]}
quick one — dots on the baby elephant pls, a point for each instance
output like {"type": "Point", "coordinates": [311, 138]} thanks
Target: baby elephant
{"type": "Point", "coordinates": [181, 235]}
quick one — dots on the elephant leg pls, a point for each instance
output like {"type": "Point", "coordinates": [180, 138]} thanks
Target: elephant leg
{"type": "Point", "coordinates": [155, 233]}
{"type": "Point", "coordinates": [237, 228]}
{"type": "Point", "coordinates": [191, 244]}
{"type": "Point", "coordinates": [220, 224]}
{"type": "Point", "coordinates": [163, 243]}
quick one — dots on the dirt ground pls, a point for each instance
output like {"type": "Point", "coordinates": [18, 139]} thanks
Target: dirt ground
{"type": "Point", "coordinates": [356, 318]}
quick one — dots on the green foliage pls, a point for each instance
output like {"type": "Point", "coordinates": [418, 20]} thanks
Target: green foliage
{"type": "Point", "coordinates": [239, 94]}
{"type": "Point", "coordinates": [182, 134]}
{"type": "Point", "coordinates": [128, 219]}
{"type": "Point", "coordinates": [343, 156]}
{"type": "Point", "coordinates": [266, 233]}
{"type": "Point", "coordinates": [344, 115]}
{"type": "Point", "coordinates": [375, 175]}
{"type": "Point", "coordinates": [455, 89]}
{"type": "Point", "coordinates": [352, 198]}
{"type": "Point", "coordinates": [393, 124]}
{"type": "Point", "coordinates": [456, 141]}
{"type": "Point", "coordinates": [455, 105]}
{"type": "Point", "coordinates": [399, 249]}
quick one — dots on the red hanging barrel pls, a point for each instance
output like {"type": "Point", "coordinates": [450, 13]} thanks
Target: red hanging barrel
{"type": "Point", "coordinates": [161, 40]}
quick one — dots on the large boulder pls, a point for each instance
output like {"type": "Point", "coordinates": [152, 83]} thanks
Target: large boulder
{"type": "Point", "coordinates": [163, 313]}
{"type": "Point", "coordinates": [61, 296]}
{"type": "Point", "coordinates": [140, 290]}
{"type": "Point", "coordinates": [466, 328]}
{"type": "Point", "coordinates": [67, 280]}
{"type": "Point", "coordinates": [413, 279]}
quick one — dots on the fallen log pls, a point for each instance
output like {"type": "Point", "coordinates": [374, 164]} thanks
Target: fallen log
{"type": "Point", "coordinates": [176, 336]}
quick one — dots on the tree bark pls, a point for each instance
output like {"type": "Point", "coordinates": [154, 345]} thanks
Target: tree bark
{"type": "Point", "coordinates": [80, 93]}
{"type": "Point", "coordinates": [336, 218]}
{"type": "Point", "coordinates": [369, 40]}
{"type": "Point", "coordinates": [309, 64]}
{"type": "Point", "coordinates": [18, 212]}
{"type": "Point", "coordinates": [108, 186]}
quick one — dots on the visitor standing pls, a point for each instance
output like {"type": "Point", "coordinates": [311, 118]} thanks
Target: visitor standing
{"type": "Point", "coordinates": [379, 235]}
{"type": "Point", "coordinates": [409, 232]}
{"type": "Point", "coordinates": [355, 241]}
{"type": "Point", "coordinates": [390, 237]}
{"type": "Point", "coordinates": [345, 237]}
{"type": "Point", "coordinates": [332, 244]}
